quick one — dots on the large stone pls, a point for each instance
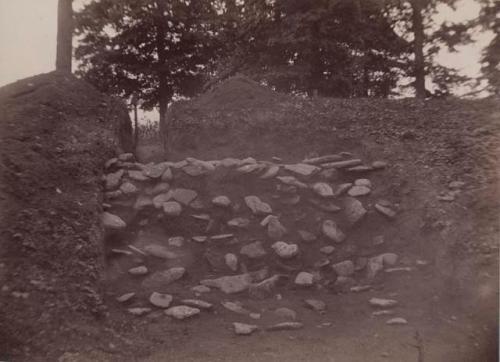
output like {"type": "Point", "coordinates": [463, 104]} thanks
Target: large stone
{"type": "Point", "coordinates": [197, 303]}
{"type": "Point", "coordinates": [160, 300]}
{"type": "Point", "coordinates": [332, 231]}
{"type": "Point", "coordinates": [286, 313]}
{"type": "Point", "coordinates": [302, 169]}
{"type": "Point", "coordinates": [113, 222]}
{"type": "Point", "coordinates": [231, 261]}
{"type": "Point", "coordinates": [172, 208]}
{"type": "Point", "coordinates": [230, 284]}
{"type": "Point", "coordinates": [222, 201]}
{"type": "Point", "coordinates": [160, 188]}
{"type": "Point", "coordinates": [160, 251]}
{"type": "Point", "coordinates": [344, 268]}
{"type": "Point", "coordinates": [275, 230]}
{"type": "Point", "coordinates": [363, 182]}
{"type": "Point", "coordinates": [304, 279]}
{"type": "Point", "coordinates": [182, 312]}
{"type": "Point", "coordinates": [383, 303]}
{"type": "Point", "coordinates": [315, 304]}
{"type": "Point", "coordinates": [284, 250]}
{"type": "Point", "coordinates": [292, 181]}
{"type": "Point", "coordinates": [244, 329]}
{"type": "Point", "coordinates": [270, 172]}
{"type": "Point", "coordinates": [112, 180]}
{"type": "Point", "coordinates": [184, 196]}
{"type": "Point", "coordinates": [239, 222]}
{"type": "Point", "coordinates": [128, 188]}
{"type": "Point", "coordinates": [285, 326]}
{"type": "Point", "coordinates": [138, 311]}
{"type": "Point", "coordinates": [163, 278]}
{"type": "Point", "coordinates": [253, 250]}
{"type": "Point", "coordinates": [152, 170]}
{"type": "Point", "coordinates": [358, 191]}
{"type": "Point", "coordinates": [323, 189]}
{"type": "Point", "coordinates": [354, 210]}
{"type": "Point", "coordinates": [257, 206]}
{"type": "Point", "coordinates": [138, 270]}
{"type": "Point", "coordinates": [342, 164]}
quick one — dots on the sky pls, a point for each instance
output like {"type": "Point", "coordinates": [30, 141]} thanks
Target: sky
{"type": "Point", "coordinates": [28, 38]}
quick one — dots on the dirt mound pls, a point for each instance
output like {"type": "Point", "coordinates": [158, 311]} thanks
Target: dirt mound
{"type": "Point", "coordinates": [55, 131]}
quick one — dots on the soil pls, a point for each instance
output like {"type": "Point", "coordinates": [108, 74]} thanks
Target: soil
{"type": "Point", "coordinates": [451, 303]}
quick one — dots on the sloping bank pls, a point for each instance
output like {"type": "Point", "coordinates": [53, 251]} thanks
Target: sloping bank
{"type": "Point", "coordinates": [55, 134]}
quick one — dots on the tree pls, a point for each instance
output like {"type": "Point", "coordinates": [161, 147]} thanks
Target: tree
{"type": "Point", "coordinates": [490, 21]}
{"type": "Point", "coordinates": [418, 47]}
{"type": "Point", "coordinates": [64, 35]}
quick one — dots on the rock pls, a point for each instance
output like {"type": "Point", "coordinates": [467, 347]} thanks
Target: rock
{"type": "Point", "coordinates": [358, 191]}
{"type": "Point", "coordinates": [195, 170]}
{"type": "Point", "coordinates": [332, 231]}
{"type": "Point", "coordinates": [200, 238]}
{"type": "Point", "coordinates": [112, 180]}
{"type": "Point", "coordinates": [177, 241]}
{"type": "Point", "coordinates": [363, 182]}
{"type": "Point", "coordinates": [152, 170]}
{"type": "Point", "coordinates": [230, 284]}
{"type": "Point", "coordinates": [360, 288]}
{"type": "Point", "coordinates": [160, 300]}
{"type": "Point", "coordinates": [245, 169]}
{"type": "Point", "coordinates": [254, 315]}
{"type": "Point", "coordinates": [167, 175]}
{"type": "Point", "coordinates": [307, 236]}
{"type": "Point", "coordinates": [221, 237]}
{"type": "Point", "coordinates": [270, 172]}
{"type": "Point", "coordinates": [197, 303]}
{"type": "Point", "coordinates": [137, 175]}
{"type": "Point", "coordinates": [230, 162]}
{"type": "Point", "coordinates": [200, 289]}
{"type": "Point", "coordinates": [235, 307]}
{"type": "Point", "coordinates": [264, 288]}
{"type": "Point", "coordinates": [284, 250]}
{"type": "Point", "coordinates": [374, 266]}
{"type": "Point", "coordinates": [125, 297]}
{"type": "Point", "coordinates": [182, 312]}
{"type": "Point", "coordinates": [248, 160]}
{"type": "Point", "coordinates": [111, 162]}
{"type": "Point", "coordinates": [323, 189]}
{"type": "Point", "coordinates": [302, 169]}
{"type": "Point", "coordinates": [159, 251]}
{"type": "Point", "coordinates": [342, 188]}
{"type": "Point", "coordinates": [304, 279]}
{"type": "Point", "coordinates": [322, 159]}
{"type": "Point", "coordinates": [184, 196]}
{"type": "Point", "coordinates": [160, 188]}
{"type": "Point", "coordinates": [180, 164]}
{"type": "Point", "coordinates": [354, 210]}
{"type": "Point", "coordinates": [138, 270]}
{"type": "Point", "coordinates": [142, 202]}
{"type": "Point", "coordinates": [222, 201]}
{"type": "Point", "coordinates": [292, 181]}
{"type": "Point", "coordinates": [453, 185]}
{"type": "Point", "coordinates": [361, 168]}
{"type": "Point", "coordinates": [257, 206]}
{"type": "Point", "coordinates": [239, 222]}
{"type": "Point", "coordinates": [160, 199]}
{"type": "Point", "coordinates": [204, 217]}
{"type": "Point", "coordinates": [386, 211]}
{"type": "Point", "coordinates": [285, 326]}
{"type": "Point", "coordinates": [344, 268]}
{"type": "Point", "coordinates": [286, 313]}
{"type": "Point", "coordinates": [111, 221]}
{"type": "Point", "coordinates": [139, 311]}
{"type": "Point", "coordinates": [382, 312]}
{"type": "Point", "coordinates": [329, 174]}
{"type": "Point", "coordinates": [398, 270]}
{"type": "Point", "coordinates": [243, 329]}
{"type": "Point", "coordinates": [172, 208]}
{"type": "Point", "coordinates": [315, 304]}
{"type": "Point", "coordinates": [253, 250]}
{"type": "Point", "coordinates": [128, 188]}
{"type": "Point", "coordinates": [275, 230]}
{"type": "Point", "coordinates": [342, 164]}
{"type": "Point", "coordinates": [379, 164]}
{"type": "Point", "coordinates": [113, 194]}
{"type": "Point", "coordinates": [161, 279]}
{"type": "Point", "coordinates": [328, 249]}
{"type": "Point", "coordinates": [124, 157]}
{"type": "Point", "coordinates": [231, 261]}
{"type": "Point", "coordinates": [396, 321]}
{"type": "Point", "coordinates": [324, 205]}
{"type": "Point", "coordinates": [382, 303]}
{"type": "Point", "coordinates": [389, 259]}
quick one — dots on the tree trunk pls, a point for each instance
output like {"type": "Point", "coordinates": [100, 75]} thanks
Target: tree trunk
{"type": "Point", "coordinates": [64, 35]}
{"type": "Point", "coordinates": [136, 126]}
{"type": "Point", "coordinates": [418, 48]}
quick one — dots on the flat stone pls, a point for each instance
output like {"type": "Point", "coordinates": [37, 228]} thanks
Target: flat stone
{"type": "Point", "coordinates": [152, 170]}
{"type": "Point", "coordinates": [284, 250]}
{"type": "Point", "coordinates": [332, 231]}
{"type": "Point", "coordinates": [248, 160]}
{"type": "Point", "coordinates": [231, 261]}
{"type": "Point", "coordinates": [182, 312]}
{"type": "Point", "coordinates": [383, 303]}
{"type": "Point", "coordinates": [362, 168]}
{"type": "Point", "coordinates": [386, 211]}
{"type": "Point", "coordinates": [250, 168]}
{"type": "Point", "coordinates": [382, 312]}
{"type": "Point", "coordinates": [360, 288]}
{"type": "Point", "coordinates": [342, 164]}
{"type": "Point", "coordinates": [307, 236]}
{"type": "Point", "coordinates": [137, 175]}
{"type": "Point", "coordinates": [328, 249]}
{"type": "Point", "coordinates": [239, 222]}
{"type": "Point", "coordinates": [139, 311]}
{"type": "Point", "coordinates": [322, 159]}
{"type": "Point", "coordinates": [125, 297]}
{"type": "Point", "coordinates": [292, 181]}
{"type": "Point", "coordinates": [142, 202]}
{"type": "Point", "coordinates": [286, 313]}
{"type": "Point", "coordinates": [184, 196]}
{"type": "Point", "coordinates": [344, 268]}
{"type": "Point", "coordinates": [177, 241]}
{"type": "Point", "coordinates": [244, 329]}
{"type": "Point", "coordinates": [363, 182]}
{"type": "Point", "coordinates": [200, 238]}
{"type": "Point", "coordinates": [304, 279]}
{"type": "Point", "coordinates": [396, 321]}
{"type": "Point", "coordinates": [230, 284]}
{"type": "Point", "coordinates": [323, 189]}
{"type": "Point", "coordinates": [257, 206]}
{"type": "Point", "coordinates": [180, 164]}
{"type": "Point", "coordinates": [253, 250]}
{"type": "Point", "coordinates": [235, 307]}
{"type": "Point", "coordinates": [285, 326]}
{"type": "Point", "coordinates": [379, 164]}
{"type": "Point", "coordinates": [330, 174]}
{"type": "Point", "coordinates": [160, 300]}
{"type": "Point", "coordinates": [138, 270]}
{"type": "Point", "coordinates": [195, 170]}
{"type": "Point", "coordinates": [302, 169]}
{"type": "Point", "coordinates": [315, 304]}
{"type": "Point", "coordinates": [354, 210]}
{"type": "Point", "coordinates": [163, 278]}
{"type": "Point", "coordinates": [270, 172]}
{"type": "Point", "coordinates": [112, 180]}
{"type": "Point", "coordinates": [230, 162]}
{"type": "Point", "coordinates": [200, 289]}
{"type": "Point", "coordinates": [197, 303]}
{"type": "Point", "coordinates": [111, 221]}
{"type": "Point", "coordinates": [160, 199]}
{"type": "Point", "coordinates": [356, 191]}
{"type": "Point", "coordinates": [204, 217]}
{"type": "Point", "coordinates": [159, 251]}
{"type": "Point", "coordinates": [128, 188]}
{"type": "Point", "coordinates": [222, 201]}
{"type": "Point", "coordinates": [221, 237]}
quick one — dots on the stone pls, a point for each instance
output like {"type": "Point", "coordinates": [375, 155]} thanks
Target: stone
{"type": "Point", "coordinates": [195, 170]}
{"type": "Point", "coordinates": [177, 241]}
{"type": "Point", "coordinates": [264, 288]}
{"type": "Point", "coordinates": [322, 159]}
{"type": "Point", "coordinates": [222, 201]}
{"type": "Point", "coordinates": [324, 205]}
{"type": "Point", "coordinates": [138, 270]}
{"type": "Point", "coordinates": [315, 304]}
{"type": "Point", "coordinates": [160, 188]}
{"type": "Point", "coordinates": [139, 311]}
{"type": "Point", "coordinates": [285, 326]}
{"type": "Point", "coordinates": [323, 189]}
{"type": "Point", "coordinates": [363, 182]}
{"type": "Point", "coordinates": [253, 250]}
{"type": "Point", "coordinates": [342, 188]}
{"type": "Point", "coordinates": [291, 200]}
{"type": "Point", "coordinates": [160, 199]}
{"type": "Point", "coordinates": [239, 222]}
{"type": "Point", "coordinates": [307, 236]}
{"type": "Point", "coordinates": [124, 157]}
{"type": "Point", "coordinates": [142, 202]}
{"type": "Point", "coordinates": [344, 268]}
{"type": "Point", "coordinates": [342, 164]}
{"type": "Point", "coordinates": [360, 288]}
{"type": "Point", "coordinates": [172, 208]}
{"type": "Point", "coordinates": [159, 251]}
{"type": "Point", "coordinates": [379, 164]}
{"type": "Point", "coordinates": [184, 196]}
{"type": "Point", "coordinates": [197, 303]}
{"type": "Point", "coordinates": [113, 194]}
{"type": "Point", "coordinates": [386, 211]}
{"type": "Point", "coordinates": [111, 162]}
{"type": "Point", "coordinates": [389, 259]}
{"type": "Point", "coordinates": [453, 185]}
{"type": "Point", "coordinates": [302, 169]}
{"type": "Point", "coordinates": [182, 312]}
{"type": "Point", "coordinates": [200, 238]}
{"type": "Point", "coordinates": [180, 164]}
{"type": "Point", "coordinates": [244, 329]}
{"type": "Point", "coordinates": [125, 297]}
{"type": "Point", "coordinates": [275, 230]}
{"type": "Point", "coordinates": [128, 188]}
{"type": "Point", "coordinates": [167, 175]}
{"type": "Point", "coordinates": [374, 266]}
{"type": "Point", "coordinates": [328, 249]}
{"type": "Point", "coordinates": [160, 300]}
{"type": "Point", "coordinates": [248, 160]}
{"type": "Point", "coordinates": [113, 222]}
{"type": "Point", "coordinates": [112, 180]}
{"type": "Point", "coordinates": [204, 217]}
{"type": "Point", "coordinates": [270, 172]}
{"type": "Point", "coordinates": [121, 251]}
{"type": "Point", "coordinates": [245, 169]}
{"type": "Point", "coordinates": [343, 284]}
{"type": "Point", "coordinates": [329, 174]}
{"type": "Point", "coordinates": [382, 303]}
{"type": "Point", "coordinates": [382, 312]}
{"type": "Point", "coordinates": [398, 270]}
{"type": "Point", "coordinates": [221, 237]}
{"type": "Point", "coordinates": [284, 250]}
{"type": "Point", "coordinates": [286, 313]}
{"type": "Point", "coordinates": [152, 170]}
{"type": "Point", "coordinates": [230, 284]}
{"type": "Point", "coordinates": [137, 175]}
{"type": "Point", "coordinates": [257, 206]}
{"type": "Point", "coordinates": [231, 261]}
{"type": "Point", "coordinates": [230, 162]}
{"type": "Point", "coordinates": [292, 181]}
{"type": "Point", "coordinates": [361, 168]}
{"type": "Point", "coordinates": [200, 289]}
{"type": "Point", "coordinates": [332, 231]}
{"type": "Point", "coordinates": [396, 321]}
{"type": "Point", "coordinates": [378, 240]}
{"type": "Point", "coordinates": [235, 307]}
{"type": "Point", "coordinates": [254, 315]}
{"type": "Point", "coordinates": [353, 210]}
{"type": "Point", "coordinates": [358, 191]}
{"type": "Point", "coordinates": [163, 278]}
{"type": "Point", "coordinates": [304, 279]}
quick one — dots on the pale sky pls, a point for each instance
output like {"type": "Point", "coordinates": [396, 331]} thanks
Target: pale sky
{"type": "Point", "coordinates": [28, 38]}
